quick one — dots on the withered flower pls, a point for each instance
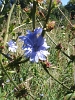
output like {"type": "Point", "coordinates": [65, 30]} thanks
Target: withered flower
{"type": "Point", "coordinates": [50, 25]}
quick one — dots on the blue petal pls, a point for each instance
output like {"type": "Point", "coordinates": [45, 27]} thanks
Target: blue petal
{"type": "Point", "coordinates": [44, 52]}
{"type": "Point", "coordinates": [32, 57]}
{"type": "Point", "coordinates": [40, 41]}
{"type": "Point", "coordinates": [42, 57]}
{"type": "Point", "coordinates": [38, 30]}
{"type": "Point", "coordinates": [41, 48]}
{"type": "Point", "coordinates": [36, 58]}
{"type": "Point", "coordinates": [22, 38]}
{"type": "Point", "coordinates": [45, 45]}
{"type": "Point", "coordinates": [28, 53]}
{"type": "Point", "coordinates": [28, 41]}
{"type": "Point", "coordinates": [11, 43]}
{"type": "Point", "coordinates": [29, 32]}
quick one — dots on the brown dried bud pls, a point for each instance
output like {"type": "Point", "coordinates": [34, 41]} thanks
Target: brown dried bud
{"type": "Point", "coordinates": [48, 64]}
{"type": "Point", "coordinates": [26, 9]}
{"type": "Point", "coordinates": [59, 1]}
{"type": "Point", "coordinates": [50, 25]}
{"type": "Point", "coordinates": [41, 14]}
{"type": "Point", "coordinates": [1, 47]}
{"type": "Point", "coordinates": [40, 1]}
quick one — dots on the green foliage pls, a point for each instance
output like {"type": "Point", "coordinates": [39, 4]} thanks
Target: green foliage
{"type": "Point", "coordinates": [70, 6]}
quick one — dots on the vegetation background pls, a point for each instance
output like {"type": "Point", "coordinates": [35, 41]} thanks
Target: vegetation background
{"type": "Point", "coordinates": [30, 81]}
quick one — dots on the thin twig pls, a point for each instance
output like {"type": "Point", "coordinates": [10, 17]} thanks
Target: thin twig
{"type": "Point", "coordinates": [21, 26]}
{"type": "Point", "coordinates": [65, 16]}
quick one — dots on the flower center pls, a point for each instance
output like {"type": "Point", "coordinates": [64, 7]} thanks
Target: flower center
{"type": "Point", "coordinates": [35, 47]}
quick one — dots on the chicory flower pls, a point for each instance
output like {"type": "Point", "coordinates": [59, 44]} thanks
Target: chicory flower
{"type": "Point", "coordinates": [35, 45]}
{"type": "Point", "coordinates": [12, 46]}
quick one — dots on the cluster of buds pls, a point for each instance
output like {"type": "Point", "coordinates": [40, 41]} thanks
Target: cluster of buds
{"type": "Point", "coordinates": [21, 92]}
{"type": "Point", "coordinates": [22, 89]}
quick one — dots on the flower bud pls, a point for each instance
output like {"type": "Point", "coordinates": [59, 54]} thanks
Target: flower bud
{"type": "Point", "coordinates": [50, 25]}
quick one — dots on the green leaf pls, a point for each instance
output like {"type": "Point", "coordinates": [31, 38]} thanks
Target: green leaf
{"type": "Point", "coordinates": [11, 72]}
{"type": "Point", "coordinates": [2, 96]}
{"type": "Point", "coordinates": [68, 96]}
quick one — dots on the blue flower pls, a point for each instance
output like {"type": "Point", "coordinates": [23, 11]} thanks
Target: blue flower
{"type": "Point", "coordinates": [12, 46]}
{"type": "Point", "coordinates": [35, 45]}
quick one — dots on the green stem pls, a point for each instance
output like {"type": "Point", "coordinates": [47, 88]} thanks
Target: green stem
{"type": "Point", "coordinates": [8, 22]}
{"type": "Point", "coordinates": [74, 62]}
{"type": "Point", "coordinates": [59, 82]}
{"type": "Point", "coordinates": [6, 56]}
{"type": "Point", "coordinates": [54, 77]}
{"type": "Point", "coordinates": [47, 17]}
{"type": "Point", "coordinates": [74, 71]}
{"type": "Point", "coordinates": [33, 12]}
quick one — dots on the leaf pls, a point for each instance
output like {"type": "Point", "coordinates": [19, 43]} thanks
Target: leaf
{"type": "Point", "coordinates": [2, 96]}
{"type": "Point", "coordinates": [11, 28]}
{"type": "Point", "coordinates": [0, 76]}
{"type": "Point", "coordinates": [68, 96]}
{"type": "Point", "coordinates": [73, 96]}
{"type": "Point", "coordinates": [11, 72]}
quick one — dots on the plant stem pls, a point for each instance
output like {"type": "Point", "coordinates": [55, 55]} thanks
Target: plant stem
{"type": "Point", "coordinates": [59, 82]}
{"type": "Point", "coordinates": [33, 12]}
{"type": "Point", "coordinates": [8, 22]}
{"type": "Point", "coordinates": [47, 17]}
{"type": "Point", "coordinates": [74, 72]}
{"type": "Point", "coordinates": [74, 62]}
{"type": "Point", "coordinates": [54, 77]}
